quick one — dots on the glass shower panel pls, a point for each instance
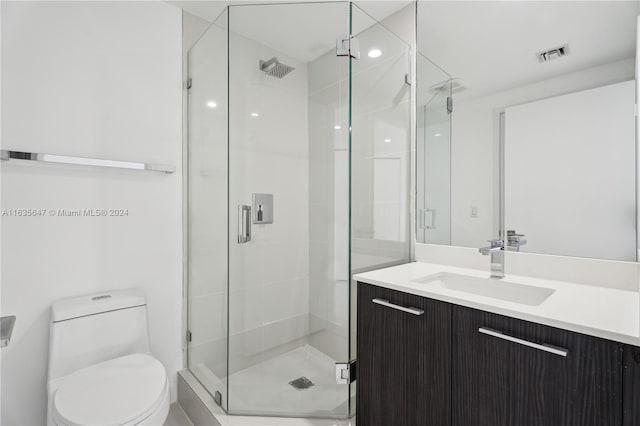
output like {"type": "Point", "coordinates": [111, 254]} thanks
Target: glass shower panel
{"type": "Point", "coordinates": [288, 209]}
{"type": "Point", "coordinates": [380, 152]}
{"type": "Point", "coordinates": [207, 209]}
{"type": "Point", "coordinates": [433, 214]}
{"type": "Point", "coordinates": [381, 117]}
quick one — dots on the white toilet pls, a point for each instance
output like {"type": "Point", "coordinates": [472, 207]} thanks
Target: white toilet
{"type": "Point", "coordinates": [100, 368]}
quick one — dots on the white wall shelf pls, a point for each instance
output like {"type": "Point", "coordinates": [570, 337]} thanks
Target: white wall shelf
{"type": "Point", "coordinates": [83, 161]}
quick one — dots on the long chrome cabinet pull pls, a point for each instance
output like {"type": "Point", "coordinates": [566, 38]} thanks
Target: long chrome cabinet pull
{"type": "Point", "coordinates": [383, 302]}
{"type": "Point", "coordinates": [244, 224]}
{"type": "Point", "coordinates": [543, 347]}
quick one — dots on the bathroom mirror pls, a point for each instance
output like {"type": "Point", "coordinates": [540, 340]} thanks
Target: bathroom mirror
{"type": "Point", "coordinates": [526, 126]}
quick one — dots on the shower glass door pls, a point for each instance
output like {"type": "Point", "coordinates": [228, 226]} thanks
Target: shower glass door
{"type": "Point", "coordinates": [288, 209]}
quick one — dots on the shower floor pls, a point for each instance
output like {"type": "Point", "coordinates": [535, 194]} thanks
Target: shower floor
{"type": "Point", "coordinates": [264, 388]}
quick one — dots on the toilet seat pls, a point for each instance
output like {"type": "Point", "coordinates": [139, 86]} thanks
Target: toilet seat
{"type": "Point", "coordinates": [121, 391]}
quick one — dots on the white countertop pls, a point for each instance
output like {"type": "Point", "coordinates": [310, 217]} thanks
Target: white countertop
{"type": "Point", "coordinates": [596, 311]}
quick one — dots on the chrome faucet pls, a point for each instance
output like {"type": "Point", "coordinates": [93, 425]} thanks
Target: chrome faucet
{"type": "Point", "coordinates": [514, 241]}
{"type": "Point", "coordinates": [496, 250]}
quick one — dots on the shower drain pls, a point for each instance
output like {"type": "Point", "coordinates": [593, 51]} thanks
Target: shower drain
{"type": "Point", "coordinates": [301, 383]}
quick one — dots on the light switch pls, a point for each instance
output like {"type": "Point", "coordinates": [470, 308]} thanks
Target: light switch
{"type": "Point", "coordinates": [474, 211]}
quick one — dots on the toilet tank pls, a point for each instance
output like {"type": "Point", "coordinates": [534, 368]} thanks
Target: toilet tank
{"type": "Point", "coordinates": [90, 329]}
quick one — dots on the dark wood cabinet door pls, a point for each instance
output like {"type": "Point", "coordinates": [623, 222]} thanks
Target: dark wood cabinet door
{"type": "Point", "coordinates": [631, 382]}
{"type": "Point", "coordinates": [497, 382]}
{"type": "Point", "coordinates": [404, 360]}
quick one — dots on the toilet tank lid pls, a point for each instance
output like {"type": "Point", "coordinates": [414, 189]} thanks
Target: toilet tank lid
{"type": "Point", "coordinates": [96, 303]}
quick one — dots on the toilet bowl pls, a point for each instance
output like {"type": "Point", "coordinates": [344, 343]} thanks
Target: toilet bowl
{"type": "Point", "coordinates": [130, 390]}
{"type": "Point", "coordinates": [100, 368]}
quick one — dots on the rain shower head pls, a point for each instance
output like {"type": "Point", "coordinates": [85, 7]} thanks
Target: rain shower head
{"type": "Point", "coordinates": [274, 68]}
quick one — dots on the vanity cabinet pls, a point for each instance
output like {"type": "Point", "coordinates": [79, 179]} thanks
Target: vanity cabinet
{"type": "Point", "coordinates": [404, 359]}
{"type": "Point", "coordinates": [457, 366]}
{"type": "Point", "coordinates": [631, 381]}
{"type": "Point", "coordinates": [563, 378]}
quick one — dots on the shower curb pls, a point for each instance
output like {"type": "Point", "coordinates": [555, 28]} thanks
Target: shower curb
{"type": "Point", "coordinates": [195, 400]}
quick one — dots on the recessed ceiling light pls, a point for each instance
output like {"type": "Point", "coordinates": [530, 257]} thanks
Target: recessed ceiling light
{"type": "Point", "coordinates": [387, 140]}
{"type": "Point", "coordinates": [375, 53]}
{"type": "Point", "coordinates": [255, 114]}
{"type": "Point", "coordinates": [337, 127]}
{"type": "Point", "coordinates": [437, 134]}
{"type": "Point", "coordinates": [212, 104]}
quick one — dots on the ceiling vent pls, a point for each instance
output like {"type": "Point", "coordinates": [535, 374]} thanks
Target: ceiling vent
{"type": "Point", "coordinates": [552, 54]}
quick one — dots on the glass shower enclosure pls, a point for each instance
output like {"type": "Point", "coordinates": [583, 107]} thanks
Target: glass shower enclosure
{"type": "Point", "coordinates": [298, 177]}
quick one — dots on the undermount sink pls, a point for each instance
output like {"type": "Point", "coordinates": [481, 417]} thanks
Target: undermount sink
{"type": "Point", "coordinates": [489, 287]}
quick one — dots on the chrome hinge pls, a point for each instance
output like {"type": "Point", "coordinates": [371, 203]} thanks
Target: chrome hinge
{"type": "Point", "coordinates": [189, 336]}
{"type": "Point", "coordinates": [348, 46]}
{"type": "Point", "coordinates": [189, 83]}
{"type": "Point", "coordinates": [217, 397]}
{"type": "Point", "coordinates": [346, 372]}
{"type": "Point", "coordinates": [449, 104]}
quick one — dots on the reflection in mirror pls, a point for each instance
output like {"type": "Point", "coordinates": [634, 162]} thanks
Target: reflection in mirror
{"type": "Point", "coordinates": [541, 139]}
{"type": "Point", "coordinates": [434, 153]}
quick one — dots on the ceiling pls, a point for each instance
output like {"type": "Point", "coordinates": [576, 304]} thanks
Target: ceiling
{"type": "Point", "coordinates": [304, 29]}
{"type": "Point", "coordinates": [492, 46]}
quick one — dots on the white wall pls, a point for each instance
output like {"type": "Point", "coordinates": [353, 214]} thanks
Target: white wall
{"type": "Point", "coordinates": [570, 173]}
{"type": "Point", "coordinates": [98, 80]}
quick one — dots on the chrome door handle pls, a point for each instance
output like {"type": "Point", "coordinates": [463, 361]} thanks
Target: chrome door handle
{"type": "Point", "coordinates": [543, 347]}
{"type": "Point", "coordinates": [244, 224]}
{"type": "Point", "coordinates": [384, 302]}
